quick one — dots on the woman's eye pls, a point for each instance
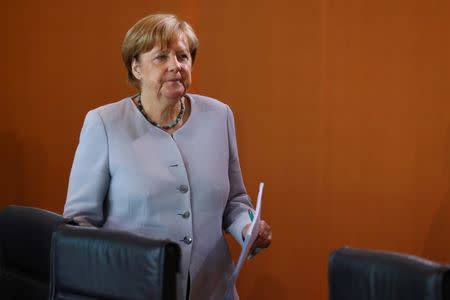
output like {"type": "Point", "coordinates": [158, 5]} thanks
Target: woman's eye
{"type": "Point", "coordinates": [161, 57]}
{"type": "Point", "coordinates": [183, 57]}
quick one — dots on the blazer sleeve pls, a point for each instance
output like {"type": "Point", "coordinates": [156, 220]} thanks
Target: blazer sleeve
{"type": "Point", "coordinates": [236, 211]}
{"type": "Point", "coordinates": [90, 176]}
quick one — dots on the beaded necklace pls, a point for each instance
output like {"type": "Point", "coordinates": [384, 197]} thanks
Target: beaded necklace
{"type": "Point", "coordinates": [164, 127]}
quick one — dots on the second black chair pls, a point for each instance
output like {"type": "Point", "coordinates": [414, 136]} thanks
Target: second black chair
{"type": "Point", "coordinates": [359, 274]}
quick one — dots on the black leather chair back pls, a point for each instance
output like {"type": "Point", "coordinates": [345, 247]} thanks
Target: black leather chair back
{"type": "Point", "coordinates": [25, 241]}
{"type": "Point", "coordinates": [91, 263]}
{"type": "Point", "coordinates": [357, 274]}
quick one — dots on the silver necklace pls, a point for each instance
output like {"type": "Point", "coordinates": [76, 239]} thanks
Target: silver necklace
{"type": "Point", "coordinates": [165, 127]}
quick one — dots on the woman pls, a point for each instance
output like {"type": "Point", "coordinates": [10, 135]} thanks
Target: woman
{"type": "Point", "coordinates": [164, 163]}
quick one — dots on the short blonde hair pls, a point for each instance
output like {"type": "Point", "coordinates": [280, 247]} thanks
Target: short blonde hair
{"type": "Point", "coordinates": [154, 30]}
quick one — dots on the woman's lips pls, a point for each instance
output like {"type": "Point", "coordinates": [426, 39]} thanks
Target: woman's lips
{"type": "Point", "coordinates": [174, 79]}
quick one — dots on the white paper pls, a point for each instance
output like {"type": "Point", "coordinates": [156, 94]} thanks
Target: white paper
{"type": "Point", "coordinates": [250, 238]}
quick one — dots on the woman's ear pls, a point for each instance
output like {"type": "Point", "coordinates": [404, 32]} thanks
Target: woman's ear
{"type": "Point", "coordinates": [136, 69]}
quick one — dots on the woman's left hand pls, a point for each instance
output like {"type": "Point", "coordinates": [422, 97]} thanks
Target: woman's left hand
{"type": "Point", "coordinates": [264, 238]}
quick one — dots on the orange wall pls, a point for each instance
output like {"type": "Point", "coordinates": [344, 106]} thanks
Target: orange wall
{"type": "Point", "coordinates": [342, 109]}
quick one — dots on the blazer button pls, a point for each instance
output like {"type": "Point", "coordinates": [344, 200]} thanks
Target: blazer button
{"type": "Point", "coordinates": [187, 240]}
{"type": "Point", "coordinates": [186, 214]}
{"type": "Point", "coordinates": [183, 188]}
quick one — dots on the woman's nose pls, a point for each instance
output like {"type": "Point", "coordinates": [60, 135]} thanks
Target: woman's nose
{"type": "Point", "coordinates": [174, 64]}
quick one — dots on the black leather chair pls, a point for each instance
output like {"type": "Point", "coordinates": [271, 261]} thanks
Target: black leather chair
{"type": "Point", "coordinates": [358, 274]}
{"type": "Point", "coordinates": [25, 241]}
{"type": "Point", "coordinates": [91, 263]}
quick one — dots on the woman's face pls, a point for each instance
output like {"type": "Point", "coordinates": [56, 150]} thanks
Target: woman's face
{"type": "Point", "coordinates": [165, 72]}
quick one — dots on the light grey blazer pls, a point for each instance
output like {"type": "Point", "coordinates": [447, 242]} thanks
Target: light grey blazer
{"type": "Point", "coordinates": [129, 175]}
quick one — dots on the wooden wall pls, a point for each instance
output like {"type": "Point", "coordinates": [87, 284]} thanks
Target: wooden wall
{"type": "Point", "coordinates": [342, 108]}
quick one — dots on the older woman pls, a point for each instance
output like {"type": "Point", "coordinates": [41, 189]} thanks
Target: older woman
{"type": "Point", "coordinates": [164, 163]}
